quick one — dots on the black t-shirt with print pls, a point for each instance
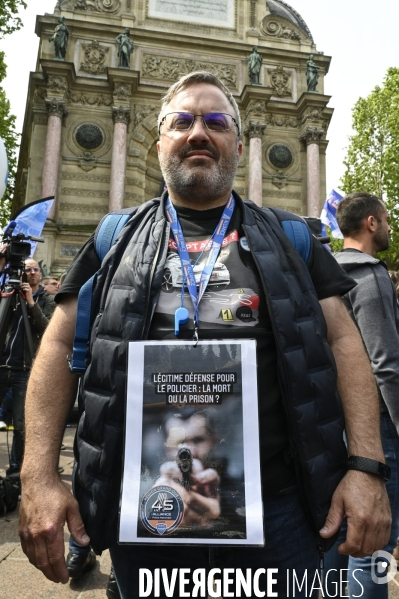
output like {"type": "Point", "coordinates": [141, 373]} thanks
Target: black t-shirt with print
{"type": "Point", "coordinates": [233, 306]}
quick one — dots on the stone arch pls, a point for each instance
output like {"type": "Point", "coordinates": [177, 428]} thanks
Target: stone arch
{"type": "Point", "coordinates": [153, 175]}
{"type": "Point", "coordinates": [143, 171]}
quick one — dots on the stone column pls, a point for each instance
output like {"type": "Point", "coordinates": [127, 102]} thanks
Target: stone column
{"type": "Point", "coordinates": [312, 138]}
{"type": "Point", "coordinates": [255, 131]}
{"type": "Point", "coordinates": [121, 118]}
{"type": "Point", "coordinates": [56, 111]}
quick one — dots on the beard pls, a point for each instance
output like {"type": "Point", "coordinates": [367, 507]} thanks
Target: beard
{"type": "Point", "coordinates": [199, 181]}
{"type": "Point", "coordinates": [381, 240]}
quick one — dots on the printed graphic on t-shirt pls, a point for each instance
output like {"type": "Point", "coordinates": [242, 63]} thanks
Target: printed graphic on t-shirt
{"type": "Point", "coordinates": [232, 294]}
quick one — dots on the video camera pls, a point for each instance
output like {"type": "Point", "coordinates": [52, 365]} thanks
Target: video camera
{"type": "Point", "coordinates": [17, 251]}
{"type": "Point", "coordinates": [20, 242]}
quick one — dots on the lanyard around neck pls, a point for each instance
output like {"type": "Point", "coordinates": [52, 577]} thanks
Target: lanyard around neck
{"type": "Point", "coordinates": [196, 291]}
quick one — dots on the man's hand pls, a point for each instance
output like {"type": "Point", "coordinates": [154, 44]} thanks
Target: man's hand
{"type": "Point", "coordinates": [201, 500]}
{"type": "Point", "coordinates": [363, 499]}
{"type": "Point", "coordinates": [44, 510]}
{"type": "Point", "coordinates": [46, 502]}
{"type": "Point", "coordinates": [27, 291]}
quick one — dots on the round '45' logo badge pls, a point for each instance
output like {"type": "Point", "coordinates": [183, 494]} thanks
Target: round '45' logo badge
{"type": "Point", "coordinates": [162, 510]}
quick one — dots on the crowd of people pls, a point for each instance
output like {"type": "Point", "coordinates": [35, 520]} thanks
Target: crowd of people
{"type": "Point", "coordinates": [50, 285]}
{"type": "Point", "coordinates": [327, 334]}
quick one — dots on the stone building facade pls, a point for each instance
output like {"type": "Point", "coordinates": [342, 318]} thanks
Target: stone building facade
{"type": "Point", "coordinates": [90, 128]}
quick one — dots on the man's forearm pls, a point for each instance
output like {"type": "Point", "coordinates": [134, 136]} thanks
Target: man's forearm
{"type": "Point", "coordinates": [361, 497]}
{"type": "Point", "coordinates": [356, 383]}
{"type": "Point", "coordinates": [358, 391]}
{"type": "Point", "coordinates": [50, 395]}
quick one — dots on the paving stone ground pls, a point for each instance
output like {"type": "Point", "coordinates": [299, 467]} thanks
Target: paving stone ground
{"type": "Point", "coordinates": [20, 580]}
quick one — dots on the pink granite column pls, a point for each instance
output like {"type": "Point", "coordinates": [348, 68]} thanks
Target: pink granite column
{"type": "Point", "coordinates": [121, 117]}
{"type": "Point", "coordinates": [255, 131]}
{"type": "Point", "coordinates": [312, 137]}
{"type": "Point", "coordinates": [56, 110]}
{"type": "Point", "coordinates": [313, 179]}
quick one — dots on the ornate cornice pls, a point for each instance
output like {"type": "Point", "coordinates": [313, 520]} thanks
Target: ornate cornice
{"type": "Point", "coordinates": [56, 107]}
{"type": "Point", "coordinates": [312, 114]}
{"type": "Point", "coordinates": [104, 6]}
{"type": "Point", "coordinates": [56, 83]}
{"type": "Point", "coordinates": [121, 114]}
{"type": "Point", "coordinates": [282, 121]}
{"type": "Point", "coordinates": [122, 91]}
{"type": "Point", "coordinates": [275, 26]}
{"type": "Point", "coordinates": [172, 68]}
{"type": "Point", "coordinates": [255, 129]}
{"type": "Point", "coordinates": [89, 99]}
{"type": "Point", "coordinates": [312, 135]}
{"type": "Point", "coordinates": [256, 108]}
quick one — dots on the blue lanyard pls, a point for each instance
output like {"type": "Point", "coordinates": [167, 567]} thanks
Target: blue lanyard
{"type": "Point", "coordinates": [188, 276]}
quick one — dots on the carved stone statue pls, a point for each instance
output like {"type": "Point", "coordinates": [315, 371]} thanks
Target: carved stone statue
{"type": "Point", "coordinates": [312, 74]}
{"type": "Point", "coordinates": [60, 38]}
{"type": "Point", "coordinates": [125, 48]}
{"type": "Point", "coordinates": [254, 66]}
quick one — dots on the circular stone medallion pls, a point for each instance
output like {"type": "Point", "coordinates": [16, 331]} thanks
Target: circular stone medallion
{"type": "Point", "coordinates": [280, 156]}
{"type": "Point", "coordinates": [89, 136]}
{"type": "Point", "coordinates": [162, 510]}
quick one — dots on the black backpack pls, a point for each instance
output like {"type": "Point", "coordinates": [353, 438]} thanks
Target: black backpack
{"type": "Point", "coordinates": [10, 490]}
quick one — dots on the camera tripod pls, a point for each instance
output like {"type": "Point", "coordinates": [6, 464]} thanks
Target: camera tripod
{"type": "Point", "coordinates": [17, 251]}
{"type": "Point", "coordinates": [11, 298]}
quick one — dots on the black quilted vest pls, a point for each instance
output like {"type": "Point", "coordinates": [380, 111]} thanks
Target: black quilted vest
{"type": "Point", "coordinates": [125, 296]}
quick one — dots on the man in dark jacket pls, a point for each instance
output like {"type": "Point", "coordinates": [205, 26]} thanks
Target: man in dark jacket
{"type": "Point", "coordinates": [298, 320]}
{"type": "Point", "coordinates": [363, 220]}
{"type": "Point", "coordinates": [16, 361]}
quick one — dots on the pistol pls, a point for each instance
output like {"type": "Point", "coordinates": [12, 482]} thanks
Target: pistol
{"type": "Point", "coordinates": [184, 460]}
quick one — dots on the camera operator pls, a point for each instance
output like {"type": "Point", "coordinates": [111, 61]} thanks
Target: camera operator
{"type": "Point", "coordinates": [15, 359]}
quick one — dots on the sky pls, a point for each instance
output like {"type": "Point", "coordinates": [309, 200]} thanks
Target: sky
{"type": "Point", "coordinates": [361, 36]}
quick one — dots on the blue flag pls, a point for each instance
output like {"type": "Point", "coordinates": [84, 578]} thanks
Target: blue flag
{"type": "Point", "coordinates": [328, 215]}
{"type": "Point", "coordinates": [31, 218]}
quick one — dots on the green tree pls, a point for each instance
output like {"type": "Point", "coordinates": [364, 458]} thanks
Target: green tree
{"type": "Point", "coordinates": [9, 19]}
{"type": "Point", "coordinates": [10, 137]}
{"type": "Point", "coordinates": [372, 161]}
{"type": "Point", "coordinates": [9, 22]}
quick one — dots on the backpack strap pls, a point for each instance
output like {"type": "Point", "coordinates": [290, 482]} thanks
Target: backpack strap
{"type": "Point", "coordinates": [296, 230]}
{"type": "Point", "coordinates": [104, 238]}
{"type": "Point", "coordinates": [77, 362]}
{"type": "Point", "coordinates": [108, 230]}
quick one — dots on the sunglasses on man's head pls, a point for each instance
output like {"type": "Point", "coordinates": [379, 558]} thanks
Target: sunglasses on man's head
{"type": "Point", "coordinates": [29, 269]}
{"type": "Point", "coordinates": [183, 121]}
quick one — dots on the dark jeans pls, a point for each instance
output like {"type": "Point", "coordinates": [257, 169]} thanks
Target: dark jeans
{"type": "Point", "coordinates": [17, 380]}
{"type": "Point", "coordinates": [74, 547]}
{"type": "Point", "coordinates": [359, 569]}
{"type": "Point", "coordinates": [6, 408]}
{"type": "Point", "coordinates": [290, 545]}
